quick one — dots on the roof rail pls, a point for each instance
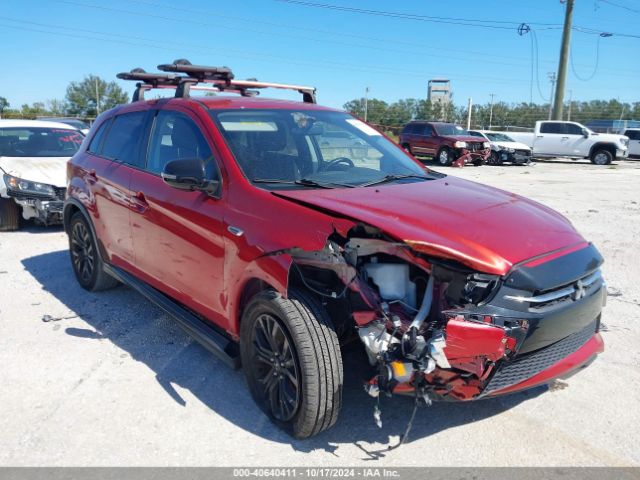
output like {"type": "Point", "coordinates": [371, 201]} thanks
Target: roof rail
{"type": "Point", "coordinates": [221, 79]}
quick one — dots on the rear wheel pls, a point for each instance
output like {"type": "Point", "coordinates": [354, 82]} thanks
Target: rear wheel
{"type": "Point", "coordinates": [445, 157]}
{"type": "Point", "coordinates": [601, 157]}
{"type": "Point", "coordinates": [85, 259]}
{"type": "Point", "coordinates": [292, 361]}
{"type": "Point", "coordinates": [9, 215]}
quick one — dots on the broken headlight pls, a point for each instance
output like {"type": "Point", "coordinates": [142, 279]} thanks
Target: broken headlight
{"type": "Point", "coordinates": [464, 287]}
{"type": "Point", "coordinates": [20, 185]}
{"type": "Point", "coordinates": [479, 287]}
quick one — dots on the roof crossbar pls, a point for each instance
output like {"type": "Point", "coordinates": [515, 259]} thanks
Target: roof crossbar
{"type": "Point", "coordinates": [220, 78]}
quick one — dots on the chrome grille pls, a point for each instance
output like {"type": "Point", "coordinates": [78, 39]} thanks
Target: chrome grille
{"type": "Point", "coordinates": [573, 291]}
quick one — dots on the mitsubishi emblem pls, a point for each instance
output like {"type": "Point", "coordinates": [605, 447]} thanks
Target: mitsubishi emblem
{"type": "Point", "coordinates": [580, 291]}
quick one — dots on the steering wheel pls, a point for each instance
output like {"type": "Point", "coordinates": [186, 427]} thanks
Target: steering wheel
{"type": "Point", "coordinates": [337, 161]}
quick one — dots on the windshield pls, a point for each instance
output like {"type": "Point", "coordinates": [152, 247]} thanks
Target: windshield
{"type": "Point", "coordinates": [499, 137]}
{"type": "Point", "coordinates": [39, 142]}
{"type": "Point", "coordinates": [449, 129]}
{"type": "Point", "coordinates": [278, 149]}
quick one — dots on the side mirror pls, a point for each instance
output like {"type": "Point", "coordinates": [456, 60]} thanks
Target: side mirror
{"type": "Point", "coordinates": [188, 174]}
{"type": "Point", "coordinates": [585, 133]}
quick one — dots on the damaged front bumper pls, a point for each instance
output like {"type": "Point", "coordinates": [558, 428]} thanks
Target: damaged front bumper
{"type": "Point", "coordinates": [44, 209]}
{"type": "Point", "coordinates": [539, 323]}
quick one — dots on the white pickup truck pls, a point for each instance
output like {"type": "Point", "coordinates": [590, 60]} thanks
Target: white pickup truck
{"type": "Point", "coordinates": [556, 138]}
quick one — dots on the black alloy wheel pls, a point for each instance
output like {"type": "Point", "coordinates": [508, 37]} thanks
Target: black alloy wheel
{"type": "Point", "coordinates": [82, 253]}
{"type": "Point", "coordinates": [275, 368]}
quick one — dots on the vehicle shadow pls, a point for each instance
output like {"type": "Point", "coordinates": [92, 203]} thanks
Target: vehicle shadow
{"type": "Point", "coordinates": [134, 325]}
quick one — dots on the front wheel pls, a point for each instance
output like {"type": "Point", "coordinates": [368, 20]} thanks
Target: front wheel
{"type": "Point", "coordinates": [445, 157]}
{"type": "Point", "coordinates": [292, 362]}
{"type": "Point", "coordinates": [601, 157]}
{"type": "Point", "coordinates": [407, 147]}
{"type": "Point", "coordinates": [9, 215]}
{"type": "Point", "coordinates": [495, 158]}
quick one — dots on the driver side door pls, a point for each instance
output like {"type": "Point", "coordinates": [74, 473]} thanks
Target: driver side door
{"type": "Point", "coordinates": [177, 234]}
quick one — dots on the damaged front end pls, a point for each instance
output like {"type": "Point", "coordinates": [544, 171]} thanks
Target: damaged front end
{"type": "Point", "coordinates": [439, 330]}
{"type": "Point", "coordinates": [39, 201]}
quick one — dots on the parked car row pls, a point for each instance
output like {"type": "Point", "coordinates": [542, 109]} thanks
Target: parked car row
{"type": "Point", "coordinates": [449, 143]}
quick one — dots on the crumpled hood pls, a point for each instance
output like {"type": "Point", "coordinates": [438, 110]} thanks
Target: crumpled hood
{"type": "Point", "coordinates": [465, 138]}
{"type": "Point", "coordinates": [482, 227]}
{"type": "Point", "coordinates": [514, 145]}
{"type": "Point", "coordinates": [49, 170]}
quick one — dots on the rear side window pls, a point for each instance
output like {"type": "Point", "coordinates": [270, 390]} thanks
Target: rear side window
{"type": "Point", "coordinates": [175, 136]}
{"type": "Point", "coordinates": [552, 127]}
{"type": "Point", "coordinates": [96, 141]}
{"type": "Point", "coordinates": [124, 139]}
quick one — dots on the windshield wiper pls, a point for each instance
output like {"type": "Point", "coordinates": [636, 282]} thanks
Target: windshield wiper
{"type": "Point", "coordinates": [391, 178]}
{"type": "Point", "coordinates": [305, 182]}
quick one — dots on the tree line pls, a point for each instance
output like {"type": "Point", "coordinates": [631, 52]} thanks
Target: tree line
{"type": "Point", "coordinates": [83, 99]}
{"type": "Point", "coordinates": [395, 115]}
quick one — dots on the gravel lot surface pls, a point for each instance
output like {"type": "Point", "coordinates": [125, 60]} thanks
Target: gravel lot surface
{"type": "Point", "coordinates": [110, 380]}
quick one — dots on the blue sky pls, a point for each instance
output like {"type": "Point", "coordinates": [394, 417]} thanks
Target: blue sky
{"type": "Point", "coordinates": [48, 43]}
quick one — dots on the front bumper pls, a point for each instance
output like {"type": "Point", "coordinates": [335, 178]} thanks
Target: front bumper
{"type": "Point", "coordinates": [514, 157]}
{"type": "Point", "coordinates": [565, 367]}
{"type": "Point", "coordinates": [45, 209]}
{"type": "Point", "coordinates": [465, 156]}
{"type": "Point", "coordinates": [620, 153]}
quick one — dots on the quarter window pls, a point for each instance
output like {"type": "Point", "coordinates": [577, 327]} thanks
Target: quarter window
{"type": "Point", "coordinates": [96, 141]}
{"type": "Point", "coordinates": [124, 139]}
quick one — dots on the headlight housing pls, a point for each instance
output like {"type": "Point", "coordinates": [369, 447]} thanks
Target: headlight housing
{"type": "Point", "coordinates": [624, 142]}
{"type": "Point", "coordinates": [486, 144]}
{"type": "Point", "coordinates": [19, 185]}
{"type": "Point", "coordinates": [460, 145]}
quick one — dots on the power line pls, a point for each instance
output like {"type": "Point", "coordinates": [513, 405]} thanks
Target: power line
{"type": "Point", "coordinates": [595, 68]}
{"type": "Point", "coordinates": [231, 53]}
{"type": "Point", "coordinates": [425, 18]}
{"type": "Point", "coordinates": [614, 4]}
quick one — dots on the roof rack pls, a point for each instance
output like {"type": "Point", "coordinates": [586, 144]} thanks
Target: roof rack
{"type": "Point", "coordinates": [221, 79]}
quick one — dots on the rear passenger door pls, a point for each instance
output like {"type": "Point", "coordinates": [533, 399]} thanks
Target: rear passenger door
{"type": "Point", "coordinates": [114, 152]}
{"type": "Point", "coordinates": [177, 234]}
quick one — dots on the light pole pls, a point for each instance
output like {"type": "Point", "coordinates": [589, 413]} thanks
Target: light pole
{"type": "Point", "coordinates": [562, 63]}
{"type": "Point", "coordinates": [552, 79]}
{"type": "Point", "coordinates": [366, 103]}
{"type": "Point", "coordinates": [491, 110]}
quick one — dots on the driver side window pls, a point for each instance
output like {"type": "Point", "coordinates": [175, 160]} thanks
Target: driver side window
{"type": "Point", "coordinates": [175, 136]}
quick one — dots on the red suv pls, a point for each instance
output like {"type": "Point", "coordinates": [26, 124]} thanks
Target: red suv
{"type": "Point", "coordinates": [447, 143]}
{"type": "Point", "coordinates": [274, 248]}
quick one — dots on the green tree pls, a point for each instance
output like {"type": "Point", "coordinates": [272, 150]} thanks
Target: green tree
{"type": "Point", "coordinates": [376, 109]}
{"type": "Point", "coordinates": [4, 103]}
{"type": "Point", "coordinates": [93, 95]}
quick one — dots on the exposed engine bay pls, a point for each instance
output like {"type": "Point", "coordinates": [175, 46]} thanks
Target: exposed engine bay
{"type": "Point", "coordinates": [416, 316]}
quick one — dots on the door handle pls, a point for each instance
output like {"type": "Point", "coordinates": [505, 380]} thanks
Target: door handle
{"type": "Point", "coordinates": [139, 202]}
{"type": "Point", "coordinates": [565, 138]}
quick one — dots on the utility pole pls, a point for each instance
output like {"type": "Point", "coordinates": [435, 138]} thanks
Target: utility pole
{"type": "Point", "coordinates": [570, 105]}
{"type": "Point", "coordinates": [564, 58]}
{"type": "Point", "coordinates": [469, 107]}
{"type": "Point", "coordinates": [552, 79]}
{"type": "Point", "coordinates": [491, 110]}
{"type": "Point", "coordinates": [366, 103]}
{"type": "Point", "coordinates": [97, 98]}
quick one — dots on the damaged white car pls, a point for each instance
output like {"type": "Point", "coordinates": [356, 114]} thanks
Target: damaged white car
{"type": "Point", "coordinates": [33, 165]}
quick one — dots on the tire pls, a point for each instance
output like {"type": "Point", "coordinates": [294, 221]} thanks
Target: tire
{"type": "Point", "coordinates": [601, 157]}
{"type": "Point", "coordinates": [309, 364]}
{"type": "Point", "coordinates": [494, 158]}
{"type": "Point", "coordinates": [9, 215]}
{"type": "Point", "coordinates": [407, 147]}
{"type": "Point", "coordinates": [478, 162]}
{"type": "Point", "coordinates": [86, 262]}
{"type": "Point", "coordinates": [444, 157]}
